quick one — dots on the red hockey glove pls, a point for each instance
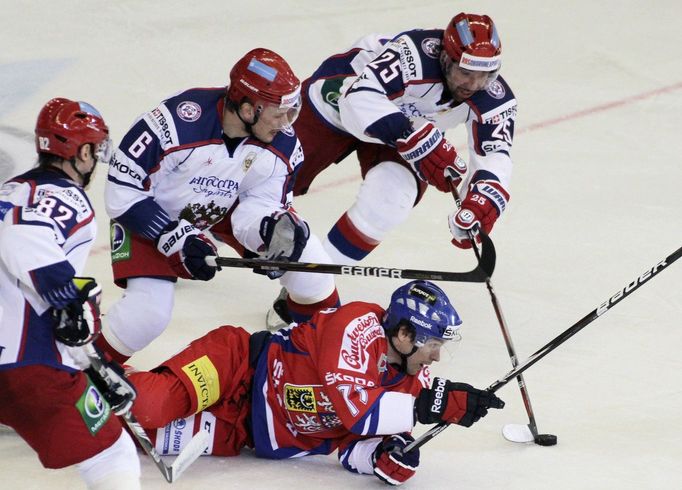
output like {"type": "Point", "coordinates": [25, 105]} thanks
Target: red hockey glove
{"type": "Point", "coordinates": [391, 465]}
{"type": "Point", "coordinates": [482, 206]}
{"type": "Point", "coordinates": [454, 403]}
{"type": "Point", "coordinates": [429, 154]}
{"type": "Point", "coordinates": [186, 249]}
{"type": "Point", "coordinates": [79, 321]}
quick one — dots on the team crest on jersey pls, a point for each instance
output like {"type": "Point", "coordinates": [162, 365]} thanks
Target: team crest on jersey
{"type": "Point", "coordinates": [299, 398]}
{"type": "Point", "coordinates": [288, 130]}
{"type": "Point", "coordinates": [496, 90]}
{"type": "Point", "coordinates": [248, 161]}
{"type": "Point", "coordinates": [357, 337]}
{"type": "Point", "coordinates": [189, 111]}
{"type": "Point", "coordinates": [203, 216]}
{"type": "Point", "coordinates": [431, 47]}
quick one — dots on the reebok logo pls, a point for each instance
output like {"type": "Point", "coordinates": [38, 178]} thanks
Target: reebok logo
{"type": "Point", "coordinates": [420, 322]}
{"type": "Point", "coordinates": [439, 391]}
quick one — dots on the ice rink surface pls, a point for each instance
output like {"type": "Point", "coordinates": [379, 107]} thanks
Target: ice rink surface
{"type": "Point", "coordinates": [595, 203]}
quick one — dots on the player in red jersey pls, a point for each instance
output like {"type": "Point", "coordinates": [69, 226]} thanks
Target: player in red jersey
{"type": "Point", "coordinates": [353, 378]}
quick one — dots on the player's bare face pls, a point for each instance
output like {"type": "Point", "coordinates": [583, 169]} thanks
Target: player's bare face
{"type": "Point", "coordinates": [270, 122]}
{"type": "Point", "coordinates": [463, 83]}
{"type": "Point", "coordinates": [425, 356]}
{"type": "Point", "coordinates": [273, 119]}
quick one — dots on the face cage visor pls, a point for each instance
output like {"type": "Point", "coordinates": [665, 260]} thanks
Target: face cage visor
{"type": "Point", "coordinates": [424, 340]}
{"type": "Point", "coordinates": [104, 150]}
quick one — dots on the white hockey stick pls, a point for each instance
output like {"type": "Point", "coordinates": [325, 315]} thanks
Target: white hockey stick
{"type": "Point", "coordinates": [189, 453]}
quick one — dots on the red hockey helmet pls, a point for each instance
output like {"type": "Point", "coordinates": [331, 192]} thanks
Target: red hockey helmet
{"type": "Point", "coordinates": [65, 125]}
{"type": "Point", "coordinates": [472, 41]}
{"type": "Point", "coordinates": [262, 75]}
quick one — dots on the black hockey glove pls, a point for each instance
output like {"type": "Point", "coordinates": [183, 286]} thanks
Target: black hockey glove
{"type": "Point", "coordinates": [79, 321]}
{"type": "Point", "coordinates": [454, 403]}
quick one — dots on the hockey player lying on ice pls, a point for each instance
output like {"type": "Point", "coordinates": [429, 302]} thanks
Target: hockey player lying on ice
{"type": "Point", "coordinates": [354, 378]}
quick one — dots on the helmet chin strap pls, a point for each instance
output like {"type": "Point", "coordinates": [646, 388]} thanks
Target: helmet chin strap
{"type": "Point", "coordinates": [403, 357]}
{"type": "Point", "coordinates": [249, 125]}
{"type": "Point", "coordinates": [85, 176]}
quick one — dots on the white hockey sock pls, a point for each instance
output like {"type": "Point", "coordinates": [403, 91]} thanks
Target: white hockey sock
{"type": "Point", "coordinates": [115, 468]}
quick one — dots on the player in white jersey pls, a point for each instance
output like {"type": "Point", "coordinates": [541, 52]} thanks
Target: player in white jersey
{"type": "Point", "coordinates": [47, 312]}
{"type": "Point", "coordinates": [389, 99]}
{"type": "Point", "coordinates": [218, 159]}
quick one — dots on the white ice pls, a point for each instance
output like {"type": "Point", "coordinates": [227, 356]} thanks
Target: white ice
{"type": "Point", "coordinates": [595, 203]}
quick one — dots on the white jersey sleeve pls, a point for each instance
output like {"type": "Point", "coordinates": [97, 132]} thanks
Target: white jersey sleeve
{"type": "Point", "coordinates": [366, 109]}
{"type": "Point", "coordinates": [272, 192]}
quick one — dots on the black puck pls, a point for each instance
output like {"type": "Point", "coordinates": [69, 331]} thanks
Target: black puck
{"type": "Point", "coordinates": [546, 440]}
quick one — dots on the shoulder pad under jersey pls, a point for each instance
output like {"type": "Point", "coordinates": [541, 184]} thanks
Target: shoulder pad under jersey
{"type": "Point", "coordinates": [195, 116]}
{"type": "Point", "coordinates": [419, 55]}
{"type": "Point", "coordinates": [495, 104]}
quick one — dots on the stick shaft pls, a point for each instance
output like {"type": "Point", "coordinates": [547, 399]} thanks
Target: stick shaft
{"type": "Point", "coordinates": [484, 269]}
{"type": "Point", "coordinates": [532, 425]}
{"type": "Point", "coordinates": [561, 338]}
{"type": "Point", "coordinates": [130, 420]}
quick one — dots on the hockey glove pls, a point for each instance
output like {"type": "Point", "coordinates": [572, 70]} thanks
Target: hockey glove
{"type": "Point", "coordinates": [186, 249]}
{"type": "Point", "coordinates": [284, 236]}
{"type": "Point", "coordinates": [79, 322]}
{"type": "Point", "coordinates": [480, 209]}
{"type": "Point", "coordinates": [112, 383]}
{"type": "Point", "coordinates": [453, 403]}
{"type": "Point", "coordinates": [429, 154]}
{"type": "Point", "coordinates": [391, 464]}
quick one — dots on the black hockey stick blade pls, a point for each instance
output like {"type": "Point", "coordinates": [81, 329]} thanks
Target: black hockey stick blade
{"type": "Point", "coordinates": [483, 270]}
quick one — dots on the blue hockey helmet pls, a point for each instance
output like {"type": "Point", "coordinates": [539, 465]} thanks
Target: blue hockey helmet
{"type": "Point", "coordinates": [426, 307]}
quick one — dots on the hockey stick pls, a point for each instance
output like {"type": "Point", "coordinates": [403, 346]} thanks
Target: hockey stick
{"type": "Point", "coordinates": [189, 453]}
{"type": "Point", "coordinates": [483, 270]}
{"type": "Point", "coordinates": [560, 339]}
{"type": "Point", "coordinates": [511, 432]}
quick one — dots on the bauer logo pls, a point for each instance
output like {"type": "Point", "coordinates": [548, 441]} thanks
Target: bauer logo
{"type": "Point", "coordinates": [604, 307]}
{"type": "Point", "coordinates": [189, 111]}
{"type": "Point", "coordinates": [120, 243]}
